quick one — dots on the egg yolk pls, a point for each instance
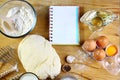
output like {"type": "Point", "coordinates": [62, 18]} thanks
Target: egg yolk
{"type": "Point", "coordinates": [111, 50]}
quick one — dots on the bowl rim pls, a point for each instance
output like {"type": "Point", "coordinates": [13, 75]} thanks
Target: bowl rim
{"type": "Point", "coordinates": [29, 73]}
{"type": "Point", "coordinates": [33, 24]}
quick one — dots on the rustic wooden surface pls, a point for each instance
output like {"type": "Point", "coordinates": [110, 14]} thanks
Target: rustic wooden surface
{"type": "Point", "coordinates": [41, 28]}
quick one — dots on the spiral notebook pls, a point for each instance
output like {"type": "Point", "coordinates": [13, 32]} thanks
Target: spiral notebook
{"type": "Point", "coordinates": [63, 25]}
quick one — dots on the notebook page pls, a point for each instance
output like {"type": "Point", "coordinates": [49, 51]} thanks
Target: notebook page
{"type": "Point", "coordinates": [65, 28]}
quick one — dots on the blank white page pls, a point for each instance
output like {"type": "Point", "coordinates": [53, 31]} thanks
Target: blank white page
{"type": "Point", "coordinates": [64, 29]}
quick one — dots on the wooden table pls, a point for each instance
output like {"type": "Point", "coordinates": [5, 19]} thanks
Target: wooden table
{"type": "Point", "coordinates": [41, 28]}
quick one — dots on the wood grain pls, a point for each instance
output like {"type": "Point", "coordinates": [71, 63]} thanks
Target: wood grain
{"type": "Point", "coordinates": [42, 26]}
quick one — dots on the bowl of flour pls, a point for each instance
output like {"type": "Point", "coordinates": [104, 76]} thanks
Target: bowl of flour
{"type": "Point", "coordinates": [17, 18]}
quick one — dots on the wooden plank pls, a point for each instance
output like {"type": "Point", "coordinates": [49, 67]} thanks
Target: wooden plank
{"type": "Point", "coordinates": [41, 28]}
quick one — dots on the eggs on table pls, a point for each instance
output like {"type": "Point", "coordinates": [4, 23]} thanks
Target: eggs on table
{"type": "Point", "coordinates": [100, 48]}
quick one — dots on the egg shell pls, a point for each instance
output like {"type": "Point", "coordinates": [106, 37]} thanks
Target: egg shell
{"type": "Point", "coordinates": [99, 54]}
{"type": "Point", "coordinates": [111, 50]}
{"type": "Point", "coordinates": [89, 45]}
{"type": "Point", "coordinates": [102, 41]}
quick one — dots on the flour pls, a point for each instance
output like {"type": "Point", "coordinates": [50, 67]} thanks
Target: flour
{"type": "Point", "coordinates": [22, 19]}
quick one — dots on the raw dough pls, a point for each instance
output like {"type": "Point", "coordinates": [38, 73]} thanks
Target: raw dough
{"type": "Point", "coordinates": [38, 56]}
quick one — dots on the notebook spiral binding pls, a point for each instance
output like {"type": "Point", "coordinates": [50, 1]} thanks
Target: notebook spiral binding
{"type": "Point", "coordinates": [50, 23]}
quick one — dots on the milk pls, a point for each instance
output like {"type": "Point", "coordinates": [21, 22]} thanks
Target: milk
{"type": "Point", "coordinates": [28, 76]}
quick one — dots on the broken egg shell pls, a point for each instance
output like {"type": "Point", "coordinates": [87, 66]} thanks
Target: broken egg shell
{"type": "Point", "coordinates": [99, 54]}
{"type": "Point", "coordinates": [89, 45]}
{"type": "Point", "coordinates": [111, 50]}
{"type": "Point", "coordinates": [102, 41]}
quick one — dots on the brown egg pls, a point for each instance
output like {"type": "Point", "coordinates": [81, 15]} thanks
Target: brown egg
{"type": "Point", "coordinates": [102, 41]}
{"type": "Point", "coordinates": [99, 54]}
{"type": "Point", "coordinates": [89, 45]}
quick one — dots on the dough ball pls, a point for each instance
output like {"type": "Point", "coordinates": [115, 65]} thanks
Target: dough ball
{"type": "Point", "coordinates": [38, 56]}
